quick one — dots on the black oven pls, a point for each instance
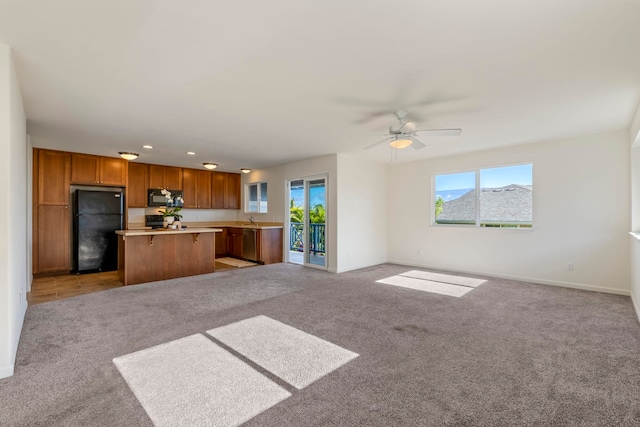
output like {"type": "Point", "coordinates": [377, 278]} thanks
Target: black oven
{"type": "Point", "coordinates": [153, 221]}
{"type": "Point", "coordinates": [156, 198]}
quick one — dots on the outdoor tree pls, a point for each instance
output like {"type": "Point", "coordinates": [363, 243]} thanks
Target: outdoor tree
{"type": "Point", "coordinates": [317, 215]}
{"type": "Point", "coordinates": [439, 203]}
{"type": "Point", "coordinates": [296, 214]}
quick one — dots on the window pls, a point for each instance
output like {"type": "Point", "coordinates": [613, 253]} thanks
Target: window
{"type": "Point", "coordinates": [256, 197]}
{"type": "Point", "coordinates": [493, 197]}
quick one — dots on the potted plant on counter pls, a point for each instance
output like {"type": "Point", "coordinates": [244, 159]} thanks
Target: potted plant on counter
{"type": "Point", "coordinates": [171, 214]}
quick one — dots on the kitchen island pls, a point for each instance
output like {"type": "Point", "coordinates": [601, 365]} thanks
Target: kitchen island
{"type": "Point", "coordinates": [150, 255]}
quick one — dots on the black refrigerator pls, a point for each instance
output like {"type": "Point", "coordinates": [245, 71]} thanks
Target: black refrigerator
{"type": "Point", "coordinates": [97, 215]}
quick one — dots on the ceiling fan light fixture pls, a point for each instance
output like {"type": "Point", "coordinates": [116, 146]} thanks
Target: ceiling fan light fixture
{"type": "Point", "coordinates": [128, 156]}
{"type": "Point", "coordinates": [210, 165]}
{"type": "Point", "coordinates": [245, 170]}
{"type": "Point", "coordinates": [400, 143]}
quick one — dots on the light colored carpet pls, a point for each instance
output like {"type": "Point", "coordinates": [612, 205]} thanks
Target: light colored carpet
{"type": "Point", "coordinates": [444, 278]}
{"type": "Point", "coordinates": [426, 285]}
{"type": "Point", "coordinates": [235, 262]}
{"type": "Point", "coordinates": [295, 356]}
{"type": "Point", "coordinates": [194, 382]}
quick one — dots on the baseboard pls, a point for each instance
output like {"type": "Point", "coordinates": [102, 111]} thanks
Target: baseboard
{"type": "Point", "coordinates": [6, 371]}
{"type": "Point", "coordinates": [636, 307]}
{"type": "Point", "coordinates": [358, 267]}
{"type": "Point", "coordinates": [536, 280]}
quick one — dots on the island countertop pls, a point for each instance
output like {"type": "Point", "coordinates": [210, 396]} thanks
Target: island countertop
{"type": "Point", "coordinates": [165, 231]}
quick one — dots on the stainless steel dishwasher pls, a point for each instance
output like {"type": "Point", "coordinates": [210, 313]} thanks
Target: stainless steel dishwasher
{"type": "Point", "coordinates": [249, 237]}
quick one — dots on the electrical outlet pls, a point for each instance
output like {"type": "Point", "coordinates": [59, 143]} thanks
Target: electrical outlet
{"type": "Point", "coordinates": [569, 266]}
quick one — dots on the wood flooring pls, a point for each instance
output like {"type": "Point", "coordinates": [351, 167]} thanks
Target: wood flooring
{"type": "Point", "coordinates": [53, 288]}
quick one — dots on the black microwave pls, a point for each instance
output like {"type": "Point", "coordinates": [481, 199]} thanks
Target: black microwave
{"type": "Point", "coordinates": [156, 198]}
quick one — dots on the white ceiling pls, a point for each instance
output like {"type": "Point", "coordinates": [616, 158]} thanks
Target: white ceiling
{"type": "Point", "coordinates": [255, 83]}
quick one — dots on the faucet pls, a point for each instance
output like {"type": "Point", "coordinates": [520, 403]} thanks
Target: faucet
{"type": "Point", "coordinates": [251, 220]}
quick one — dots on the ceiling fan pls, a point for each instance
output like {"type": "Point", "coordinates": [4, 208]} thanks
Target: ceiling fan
{"type": "Point", "coordinates": [403, 134]}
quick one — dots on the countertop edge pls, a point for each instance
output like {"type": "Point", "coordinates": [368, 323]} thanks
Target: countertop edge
{"type": "Point", "coordinates": [156, 232]}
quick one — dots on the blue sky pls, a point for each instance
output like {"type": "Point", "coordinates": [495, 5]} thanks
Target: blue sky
{"type": "Point", "coordinates": [494, 177]}
{"type": "Point", "coordinates": [317, 196]}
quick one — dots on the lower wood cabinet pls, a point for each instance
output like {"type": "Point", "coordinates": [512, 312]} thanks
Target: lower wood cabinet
{"type": "Point", "coordinates": [234, 242]}
{"type": "Point", "coordinates": [221, 243]}
{"type": "Point", "coordinates": [53, 239]}
{"type": "Point", "coordinates": [269, 245]}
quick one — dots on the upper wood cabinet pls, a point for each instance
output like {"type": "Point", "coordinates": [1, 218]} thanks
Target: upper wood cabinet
{"type": "Point", "coordinates": [53, 172]}
{"type": "Point", "coordinates": [203, 189]}
{"type": "Point", "coordinates": [169, 177]}
{"type": "Point", "coordinates": [225, 190]}
{"type": "Point", "coordinates": [232, 191]}
{"type": "Point", "coordinates": [113, 171]}
{"type": "Point", "coordinates": [196, 188]}
{"type": "Point", "coordinates": [138, 185]}
{"type": "Point", "coordinates": [89, 169]}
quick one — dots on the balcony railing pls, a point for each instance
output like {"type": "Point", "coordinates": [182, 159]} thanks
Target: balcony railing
{"type": "Point", "coordinates": [316, 238]}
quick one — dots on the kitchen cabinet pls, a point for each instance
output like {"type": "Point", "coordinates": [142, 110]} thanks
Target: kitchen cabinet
{"type": "Point", "coordinates": [169, 177]}
{"type": "Point", "coordinates": [53, 239]}
{"type": "Point", "coordinates": [225, 190]}
{"type": "Point", "coordinates": [138, 185]}
{"type": "Point", "coordinates": [89, 169]}
{"type": "Point", "coordinates": [51, 213]}
{"type": "Point", "coordinates": [221, 242]}
{"type": "Point", "coordinates": [234, 242]}
{"type": "Point", "coordinates": [53, 169]}
{"type": "Point", "coordinates": [196, 188]}
{"type": "Point", "coordinates": [269, 245]}
{"type": "Point", "coordinates": [232, 191]}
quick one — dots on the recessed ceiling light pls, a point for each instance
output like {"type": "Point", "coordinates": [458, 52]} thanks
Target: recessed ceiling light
{"type": "Point", "coordinates": [210, 165]}
{"type": "Point", "coordinates": [245, 170]}
{"type": "Point", "coordinates": [191, 153]}
{"type": "Point", "coordinates": [148, 147]}
{"type": "Point", "coordinates": [128, 156]}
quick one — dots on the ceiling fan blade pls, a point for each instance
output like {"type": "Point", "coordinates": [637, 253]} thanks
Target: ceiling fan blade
{"type": "Point", "coordinates": [379, 142]}
{"type": "Point", "coordinates": [371, 116]}
{"type": "Point", "coordinates": [416, 145]}
{"type": "Point", "coordinates": [440, 132]}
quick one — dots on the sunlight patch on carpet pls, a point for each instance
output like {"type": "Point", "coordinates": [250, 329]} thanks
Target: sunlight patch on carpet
{"type": "Point", "coordinates": [295, 356]}
{"type": "Point", "coordinates": [426, 285]}
{"type": "Point", "coordinates": [444, 278]}
{"type": "Point", "coordinates": [194, 382]}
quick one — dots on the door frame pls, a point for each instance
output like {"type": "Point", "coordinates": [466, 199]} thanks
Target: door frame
{"type": "Point", "coordinates": [287, 233]}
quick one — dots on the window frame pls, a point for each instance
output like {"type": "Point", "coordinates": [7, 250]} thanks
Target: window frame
{"type": "Point", "coordinates": [247, 192]}
{"type": "Point", "coordinates": [477, 224]}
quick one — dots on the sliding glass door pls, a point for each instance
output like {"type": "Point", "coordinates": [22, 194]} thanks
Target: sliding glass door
{"type": "Point", "coordinates": [307, 221]}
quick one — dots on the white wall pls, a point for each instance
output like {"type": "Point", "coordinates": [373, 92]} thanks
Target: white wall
{"type": "Point", "coordinates": [278, 196]}
{"type": "Point", "coordinates": [581, 202]}
{"type": "Point", "coordinates": [13, 230]}
{"type": "Point", "coordinates": [362, 213]}
{"type": "Point", "coordinates": [634, 130]}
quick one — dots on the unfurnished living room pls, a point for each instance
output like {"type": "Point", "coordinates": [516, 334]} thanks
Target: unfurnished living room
{"type": "Point", "coordinates": [414, 213]}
